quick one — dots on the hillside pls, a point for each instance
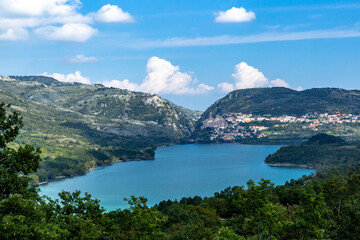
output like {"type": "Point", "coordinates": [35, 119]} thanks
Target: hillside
{"type": "Point", "coordinates": [280, 101]}
{"type": "Point", "coordinates": [321, 151]}
{"type": "Point", "coordinates": [280, 115]}
{"type": "Point", "coordinates": [80, 126]}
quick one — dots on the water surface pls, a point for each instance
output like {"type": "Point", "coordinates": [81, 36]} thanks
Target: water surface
{"type": "Point", "coordinates": [178, 171]}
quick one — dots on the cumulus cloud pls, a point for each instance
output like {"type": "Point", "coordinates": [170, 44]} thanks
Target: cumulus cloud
{"type": "Point", "coordinates": [226, 87]}
{"type": "Point", "coordinates": [77, 32]}
{"type": "Point", "coordinates": [12, 34]}
{"type": "Point", "coordinates": [58, 20]}
{"type": "Point", "coordinates": [38, 7]}
{"type": "Point", "coordinates": [81, 58]}
{"type": "Point", "coordinates": [71, 77]}
{"type": "Point", "coordinates": [125, 84]}
{"type": "Point", "coordinates": [112, 13]}
{"type": "Point", "coordinates": [279, 83]}
{"type": "Point", "coordinates": [235, 15]}
{"type": "Point", "coordinates": [246, 76]}
{"type": "Point", "coordinates": [163, 78]}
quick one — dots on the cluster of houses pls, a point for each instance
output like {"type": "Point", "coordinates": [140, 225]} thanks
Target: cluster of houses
{"type": "Point", "coordinates": [233, 126]}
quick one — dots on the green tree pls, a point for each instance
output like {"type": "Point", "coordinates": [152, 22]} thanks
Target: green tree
{"type": "Point", "coordinates": [24, 159]}
{"type": "Point", "coordinates": [138, 222]}
{"type": "Point", "coordinates": [258, 215]}
{"type": "Point", "coordinates": [312, 216]}
{"type": "Point", "coordinates": [226, 233]}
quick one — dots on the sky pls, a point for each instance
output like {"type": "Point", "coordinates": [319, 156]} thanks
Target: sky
{"type": "Point", "coordinates": [189, 52]}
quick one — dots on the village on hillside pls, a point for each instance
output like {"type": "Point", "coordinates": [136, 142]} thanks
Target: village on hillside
{"type": "Point", "coordinates": [234, 126]}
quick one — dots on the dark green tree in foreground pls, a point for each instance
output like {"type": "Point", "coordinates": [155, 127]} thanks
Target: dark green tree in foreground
{"type": "Point", "coordinates": [15, 162]}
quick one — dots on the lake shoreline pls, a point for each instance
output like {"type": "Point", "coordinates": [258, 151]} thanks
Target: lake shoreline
{"type": "Point", "coordinates": [88, 170]}
{"type": "Point", "coordinates": [290, 165]}
{"type": "Point", "coordinates": [179, 171]}
{"type": "Point", "coordinates": [163, 145]}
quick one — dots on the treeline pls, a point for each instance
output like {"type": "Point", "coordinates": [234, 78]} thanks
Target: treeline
{"type": "Point", "coordinates": [79, 164]}
{"type": "Point", "coordinates": [322, 152]}
{"type": "Point", "coordinates": [314, 207]}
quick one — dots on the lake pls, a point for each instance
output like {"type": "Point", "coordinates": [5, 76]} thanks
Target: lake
{"type": "Point", "coordinates": [178, 171]}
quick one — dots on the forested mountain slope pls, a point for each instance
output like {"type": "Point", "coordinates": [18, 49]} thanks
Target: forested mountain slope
{"type": "Point", "coordinates": [318, 152]}
{"type": "Point", "coordinates": [278, 101]}
{"type": "Point", "coordinates": [79, 126]}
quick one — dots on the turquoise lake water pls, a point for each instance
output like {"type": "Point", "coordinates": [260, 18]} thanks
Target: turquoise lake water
{"type": "Point", "coordinates": [178, 171]}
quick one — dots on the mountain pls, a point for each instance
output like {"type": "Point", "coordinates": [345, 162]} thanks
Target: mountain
{"type": "Point", "coordinates": [279, 101]}
{"type": "Point", "coordinates": [280, 115]}
{"type": "Point", "coordinates": [320, 152]}
{"type": "Point", "coordinates": [79, 126]}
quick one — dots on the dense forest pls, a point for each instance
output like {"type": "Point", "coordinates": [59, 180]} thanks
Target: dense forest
{"type": "Point", "coordinates": [321, 206]}
{"type": "Point", "coordinates": [321, 152]}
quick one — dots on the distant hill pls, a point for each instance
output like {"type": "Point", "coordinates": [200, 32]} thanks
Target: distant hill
{"type": "Point", "coordinates": [277, 102]}
{"type": "Point", "coordinates": [325, 139]}
{"type": "Point", "coordinates": [79, 126]}
{"type": "Point", "coordinates": [321, 151]}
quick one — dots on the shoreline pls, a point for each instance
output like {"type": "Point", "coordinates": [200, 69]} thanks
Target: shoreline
{"type": "Point", "coordinates": [290, 165]}
{"type": "Point", "coordinates": [88, 170]}
{"type": "Point", "coordinates": [162, 145]}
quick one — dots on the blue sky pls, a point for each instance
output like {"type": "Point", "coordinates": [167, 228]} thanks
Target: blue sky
{"type": "Point", "coordinates": [190, 52]}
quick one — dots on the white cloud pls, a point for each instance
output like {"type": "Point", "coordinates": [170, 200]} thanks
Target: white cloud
{"type": "Point", "coordinates": [57, 18]}
{"type": "Point", "coordinates": [125, 84]}
{"type": "Point", "coordinates": [12, 34]}
{"type": "Point", "coordinates": [246, 76]}
{"type": "Point", "coordinates": [163, 78]}
{"type": "Point", "coordinates": [77, 32]}
{"type": "Point", "coordinates": [202, 89]}
{"type": "Point", "coordinates": [81, 58]}
{"type": "Point", "coordinates": [38, 7]}
{"type": "Point", "coordinates": [71, 77]}
{"type": "Point", "coordinates": [112, 13]}
{"type": "Point", "coordinates": [226, 87]}
{"type": "Point", "coordinates": [279, 83]}
{"type": "Point", "coordinates": [235, 15]}
{"type": "Point", "coordinates": [256, 38]}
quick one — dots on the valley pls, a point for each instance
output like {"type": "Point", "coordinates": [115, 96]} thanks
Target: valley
{"type": "Point", "coordinates": [79, 126]}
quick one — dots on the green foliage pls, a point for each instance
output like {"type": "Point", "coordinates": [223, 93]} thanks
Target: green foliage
{"type": "Point", "coordinates": [321, 151]}
{"type": "Point", "coordinates": [138, 222]}
{"type": "Point", "coordinates": [25, 159]}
